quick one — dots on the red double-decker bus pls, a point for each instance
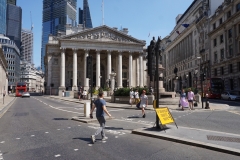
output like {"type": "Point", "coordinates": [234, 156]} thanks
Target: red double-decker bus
{"type": "Point", "coordinates": [20, 88]}
{"type": "Point", "coordinates": [213, 87]}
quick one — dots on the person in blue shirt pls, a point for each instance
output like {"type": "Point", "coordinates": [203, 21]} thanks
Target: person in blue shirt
{"type": "Point", "coordinates": [100, 105]}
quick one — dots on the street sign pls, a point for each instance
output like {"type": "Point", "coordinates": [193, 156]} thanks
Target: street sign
{"type": "Point", "coordinates": [164, 115]}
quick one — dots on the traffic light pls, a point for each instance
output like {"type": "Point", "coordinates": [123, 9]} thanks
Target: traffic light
{"type": "Point", "coordinates": [89, 67]}
{"type": "Point", "coordinates": [203, 76]}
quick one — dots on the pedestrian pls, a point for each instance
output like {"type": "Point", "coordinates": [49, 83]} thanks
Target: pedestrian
{"type": "Point", "coordinates": [63, 93]}
{"type": "Point", "coordinates": [183, 99]}
{"type": "Point", "coordinates": [84, 94]}
{"type": "Point", "coordinates": [143, 102]}
{"type": "Point", "coordinates": [136, 94]}
{"type": "Point", "coordinates": [191, 98]}
{"type": "Point", "coordinates": [131, 101]}
{"type": "Point", "coordinates": [100, 105]}
{"type": "Point", "coordinates": [79, 94]}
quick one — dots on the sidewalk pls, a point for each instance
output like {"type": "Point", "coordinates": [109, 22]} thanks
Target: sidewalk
{"type": "Point", "coordinates": [8, 100]}
{"type": "Point", "coordinates": [150, 107]}
{"type": "Point", "coordinates": [213, 140]}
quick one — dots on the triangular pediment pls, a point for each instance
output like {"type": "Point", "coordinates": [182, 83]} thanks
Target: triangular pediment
{"type": "Point", "coordinates": [103, 33]}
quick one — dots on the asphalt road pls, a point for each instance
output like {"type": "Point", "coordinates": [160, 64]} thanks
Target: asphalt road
{"type": "Point", "coordinates": [40, 128]}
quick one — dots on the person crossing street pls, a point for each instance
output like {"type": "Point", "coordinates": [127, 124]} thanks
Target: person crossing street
{"type": "Point", "coordinates": [100, 105]}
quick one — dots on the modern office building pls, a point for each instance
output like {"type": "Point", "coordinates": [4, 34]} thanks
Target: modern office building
{"type": "Point", "coordinates": [56, 14]}
{"type": "Point", "coordinates": [3, 10]}
{"type": "Point", "coordinates": [13, 2]}
{"type": "Point", "coordinates": [27, 45]}
{"type": "Point", "coordinates": [12, 55]}
{"type": "Point", "coordinates": [85, 16]}
{"type": "Point", "coordinates": [14, 23]}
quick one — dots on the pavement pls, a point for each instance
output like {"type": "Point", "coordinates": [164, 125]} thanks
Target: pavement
{"type": "Point", "coordinates": [218, 141]}
{"type": "Point", "coordinates": [6, 103]}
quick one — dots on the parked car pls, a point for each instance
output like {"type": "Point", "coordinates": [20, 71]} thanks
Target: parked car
{"type": "Point", "coordinates": [231, 95]}
{"type": "Point", "coordinates": [26, 94]}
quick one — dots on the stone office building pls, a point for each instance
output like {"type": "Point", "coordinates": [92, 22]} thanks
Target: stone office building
{"type": "Point", "coordinates": [111, 49]}
{"type": "Point", "coordinates": [225, 44]}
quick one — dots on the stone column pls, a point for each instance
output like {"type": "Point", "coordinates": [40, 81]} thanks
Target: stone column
{"type": "Point", "coordinates": [109, 64]}
{"type": "Point", "coordinates": [74, 87]}
{"type": "Point", "coordinates": [140, 70]}
{"type": "Point", "coordinates": [63, 68]}
{"type": "Point", "coordinates": [86, 80]}
{"type": "Point", "coordinates": [120, 70]}
{"type": "Point", "coordinates": [137, 66]}
{"type": "Point", "coordinates": [130, 70]}
{"type": "Point", "coordinates": [98, 69]}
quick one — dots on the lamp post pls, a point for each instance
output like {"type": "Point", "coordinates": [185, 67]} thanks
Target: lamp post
{"type": "Point", "coordinates": [201, 73]}
{"type": "Point", "coordinates": [195, 75]}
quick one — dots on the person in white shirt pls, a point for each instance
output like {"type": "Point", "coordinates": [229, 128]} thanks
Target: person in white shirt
{"type": "Point", "coordinates": [131, 97]}
{"type": "Point", "coordinates": [136, 97]}
{"type": "Point", "coordinates": [84, 94]}
{"type": "Point", "coordinates": [191, 98]}
{"type": "Point", "coordinates": [143, 103]}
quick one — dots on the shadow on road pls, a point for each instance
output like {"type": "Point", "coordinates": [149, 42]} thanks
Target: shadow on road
{"type": "Point", "coordinates": [60, 119]}
{"type": "Point", "coordinates": [113, 128]}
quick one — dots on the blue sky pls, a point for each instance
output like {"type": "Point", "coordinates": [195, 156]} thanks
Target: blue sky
{"type": "Point", "coordinates": [141, 17]}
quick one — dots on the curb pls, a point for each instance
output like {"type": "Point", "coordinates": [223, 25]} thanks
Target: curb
{"type": "Point", "coordinates": [213, 147]}
{"type": "Point", "coordinates": [5, 109]}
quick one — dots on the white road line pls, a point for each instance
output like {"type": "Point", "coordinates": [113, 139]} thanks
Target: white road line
{"type": "Point", "coordinates": [58, 129]}
{"type": "Point", "coordinates": [69, 127]}
{"type": "Point", "coordinates": [89, 145]}
{"type": "Point", "coordinates": [32, 135]}
{"type": "Point", "coordinates": [18, 138]}
{"type": "Point", "coordinates": [65, 110]}
{"type": "Point", "coordinates": [2, 142]}
{"type": "Point", "coordinates": [115, 110]}
{"type": "Point", "coordinates": [75, 149]}
{"type": "Point", "coordinates": [46, 132]}
{"type": "Point", "coordinates": [58, 155]}
{"type": "Point", "coordinates": [131, 122]}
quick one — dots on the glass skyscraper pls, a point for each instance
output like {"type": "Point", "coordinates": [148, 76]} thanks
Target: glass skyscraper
{"type": "Point", "coordinates": [14, 23]}
{"type": "Point", "coordinates": [56, 14]}
{"type": "Point", "coordinates": [3, 10]}
{"type": "Point", "coordinates": [13, 2]}
{"type": "Point", "coordinates": [85, 16]}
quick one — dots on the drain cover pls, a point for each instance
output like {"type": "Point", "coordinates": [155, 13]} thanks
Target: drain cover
{"type": "Point", "coordinates": [22, 114]}
{"type": "Point", "coordinates": [225, 139]}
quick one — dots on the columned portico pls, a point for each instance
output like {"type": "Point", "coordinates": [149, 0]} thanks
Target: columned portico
{"type": "Point", "coordinates": [119, 70]}
{"type": "Point", "coordinates": [86, 80]}
{"type": "Point", "coordinates": [109, 64]}
{"type": "Point", "coordinates": [74, 88]}
{"type": "Point", "coordinates": [98, 69]}
{"type": "Point", "coordinates": [140, 70]}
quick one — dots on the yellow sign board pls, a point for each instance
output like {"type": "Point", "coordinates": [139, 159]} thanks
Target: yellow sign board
{"type": "Point", "coordinates": [164, 115]}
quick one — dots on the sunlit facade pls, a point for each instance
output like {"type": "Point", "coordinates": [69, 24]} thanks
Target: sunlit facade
{"type": "Point", "coordinates": [3, 9]}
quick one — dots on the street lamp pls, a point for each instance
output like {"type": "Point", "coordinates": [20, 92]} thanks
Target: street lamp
{"type": "Point", "coordinates": [201, 73]}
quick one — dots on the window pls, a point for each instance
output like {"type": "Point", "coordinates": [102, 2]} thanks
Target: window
{"type": "Point", "coordinates": [222, 70]}
{"type": "Point", "coordinates": [221, 38]}
{"type": "Point", "coordinates": [230, 50]}
{"type": "Point", "coordinates": [215, 72]}
{"type": "Point", "coordinates": [220, 21]}
{"type": "Point", "coordinates": [124, 75]}
{"type": "Point", "coordinates": [215, 57]}
{"type": "Point", "coordinates": [230, 33]}
{"type": "Point", "coordinates": [230, 68]}
{"type": "Point", "coordinates": [214, 25]}
{"type": "Point", "coordinates": [238, 7]}
{"type": "Point", "coordinates": [229, 14]}
{"type": "Point", "coordinates": [215, 42]}
{"type": "Point", "coordinates": [222, 53]}
{"type": "Point", "coordinates": [238, 66]}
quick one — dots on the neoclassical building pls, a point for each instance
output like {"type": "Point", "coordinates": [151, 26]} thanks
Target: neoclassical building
{"type": "Point", "coordinates": [111, 49]}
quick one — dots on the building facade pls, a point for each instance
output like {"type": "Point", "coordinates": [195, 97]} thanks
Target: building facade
{"type": "Point", "coordinates": [13, 2]}
{"type": "Point", "coordinates": [12, 55]}
{"type": "Point", "coordinates": [14, 23]}
{"type": "Point", "coordinates": [111, 49]}
{"type": "Point", "coordinates": [85, 16]}
{"type": "Point", "coordinates": [56, 14]}
{"type": "Point", "coordinates": [225, 44]}
{"type": "Point", "coordinates": [188, 49]}
{"type": "Point", "coordinates": [27, 45]}
{"type": "Point", "coordinates": [3, 11]}
{"type": "Point", "coordinates": [3, 73]}
{"type": "Point", "coordinates": [33, 77]}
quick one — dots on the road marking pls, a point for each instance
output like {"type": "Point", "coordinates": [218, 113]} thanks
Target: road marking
{"type": "Point", "coordinates": [69, 127]}
{"type": "Point", "coordinates": [75, 149]}
{"type": "Point", "coordinates": [234, 112]}
{"type": "Point", "coordinates": [58, 129]}
{"type": "Point", "coordinates": [89, 145]}
{"type": "Point", "coordinates": [115, 110]}
{"type": "Point", "coordinates": [2, 142]}
{"type": "Point", "coordinates": [58, 155]}
{"type": "Point", "coordinates": [116, 136]}
{"type": "Point", "coordinates": [32, 135]}
{"type": "Point", "coordinates": [18, 138]}
{"type": "Point", "coordinates": [79, 125]}
{"type": "Point", "coordinates": [46, 132]}
{"type": "Point", "coordinates": [131, 122]}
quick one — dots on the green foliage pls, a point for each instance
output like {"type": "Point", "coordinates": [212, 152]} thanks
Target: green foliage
{"type": "Point", "coordinates": [126, 91]}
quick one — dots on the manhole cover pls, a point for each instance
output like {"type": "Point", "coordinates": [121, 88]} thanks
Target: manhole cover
{"type": "Point", "coordinates": [225, 139]}
{"type": "Point", "coordinates": [22, 114]}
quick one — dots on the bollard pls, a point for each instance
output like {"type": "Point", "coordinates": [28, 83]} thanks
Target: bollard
{"type": "Point", "coordinates": [87, 109]}
{"type": "Point", "coordinates": [207, 102]}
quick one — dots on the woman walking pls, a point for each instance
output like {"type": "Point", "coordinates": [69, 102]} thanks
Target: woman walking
{"type": "Point", "coordinates": [183, 99]}
{"type": "Point", "coordinates": [136, 97]}
{"type": "Point", "coordinates": [191, 98]}
{"type": "Point", "coordinates": [143, 103]}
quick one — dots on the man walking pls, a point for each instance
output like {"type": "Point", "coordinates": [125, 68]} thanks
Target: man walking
{"type": "Point", "coordinates": [100, 104]}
